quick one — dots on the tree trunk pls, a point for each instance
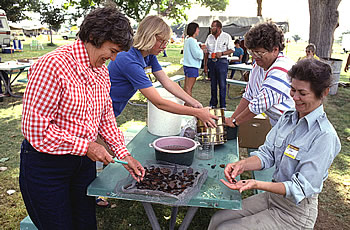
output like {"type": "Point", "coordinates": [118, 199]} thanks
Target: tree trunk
{"type": "Point", "coordinates": [323, 22]}
{"type": "Point", "coordinates": [259, 7]}
{"type": "Point", "coordinates": [51, 35]}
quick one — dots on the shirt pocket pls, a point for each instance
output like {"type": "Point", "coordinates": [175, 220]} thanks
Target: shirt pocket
{"type": "Point", "coordinates": [74, 101]}
{"type": "Point", "coordinates": [278, 144]}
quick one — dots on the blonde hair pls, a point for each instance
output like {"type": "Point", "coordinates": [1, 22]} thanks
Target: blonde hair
{"type": "Point", "coordinates": [149, 28]}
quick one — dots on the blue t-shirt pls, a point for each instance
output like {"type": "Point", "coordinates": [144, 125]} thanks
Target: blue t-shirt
{"type": "Point", "coordinates": [238, 52]}
{"type": "Point", "coordinates": [127, 75]}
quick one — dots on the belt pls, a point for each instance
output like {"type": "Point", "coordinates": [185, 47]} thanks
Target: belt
{"type": "Point", "coordinates": [217, 59]}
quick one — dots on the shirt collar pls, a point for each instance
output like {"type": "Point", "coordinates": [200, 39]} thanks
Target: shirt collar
{"type": "Point", "coordinates": [311, 118]}
{"type": "Point", "coordinates": [80, 53]}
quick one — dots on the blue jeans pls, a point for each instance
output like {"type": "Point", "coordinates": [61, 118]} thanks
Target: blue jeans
{"type": "Point", "coordinates": [233, 71]}
{"type": "Point", "coordinates": [54, 189]}
{"type": "Point", "coordinates": [218, 74]}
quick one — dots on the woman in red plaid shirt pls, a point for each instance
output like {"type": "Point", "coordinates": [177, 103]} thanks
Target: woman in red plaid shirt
{"type": "Point", "coordinates": [65, 106]}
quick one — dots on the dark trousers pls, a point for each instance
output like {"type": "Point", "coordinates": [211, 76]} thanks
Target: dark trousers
{"type": "Point", "coordinates": [54, 189]}
{"type": "Point", "coordinates": [218, 73]}
{"type": "Point", "coordinates": [233, 71]}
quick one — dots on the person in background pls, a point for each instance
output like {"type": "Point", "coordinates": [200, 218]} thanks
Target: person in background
{"type": "Point", "coordinates": [193, 56]}
{"type": "Point", "coordinates": [239, 52]}
{"type": "Point", "coordinates": [245, 58]}
{"type": "Point", "coordinates": [347, 64]}
{"type": "Point", "coordinates": [128, 73]}
{"type": "Point", "coordinates": [268, 87]}
{"type": "Point", "coordinates": [219, 45]}
{"type": "Point", "coordinates": [310, 51]}
{"type": "Point", "coordinates": [66, 104]}
{"type": "Point", "coordinates": [302, 146]}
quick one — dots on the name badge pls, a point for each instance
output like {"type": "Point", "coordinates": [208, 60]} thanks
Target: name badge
{"type": "Point", "coordinates": [291, 151]}
{"type": "Point", "coordinates": [148, 70]}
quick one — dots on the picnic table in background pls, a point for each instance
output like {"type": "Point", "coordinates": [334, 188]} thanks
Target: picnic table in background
{"type": "Point", "coordinates": [12, 67]}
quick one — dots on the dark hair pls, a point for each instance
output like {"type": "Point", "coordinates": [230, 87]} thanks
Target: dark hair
{"type": "Point", "coordinates": [266, 35]}
{"type": "Point", "coordinates": [237, 41]}
{"type": "Point", "coordinates": [191, 28]}
{"type": "Point", "coordinates": [106, 24]}
{"type": "Point", "coordinates": [218, 23]}
{"type": "Point", "coordinates": [318, 73]}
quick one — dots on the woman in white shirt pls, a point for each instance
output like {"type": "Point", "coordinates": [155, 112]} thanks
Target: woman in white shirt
{"type": "Point", "coordinates": [193, 56]}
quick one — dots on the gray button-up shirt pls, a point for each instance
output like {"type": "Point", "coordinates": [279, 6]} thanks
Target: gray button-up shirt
{"type": "Point", "coordinates": [317, 143]}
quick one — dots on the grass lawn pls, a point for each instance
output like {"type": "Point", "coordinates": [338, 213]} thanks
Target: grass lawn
{"type": "Point", "coordinates": [334, 201]}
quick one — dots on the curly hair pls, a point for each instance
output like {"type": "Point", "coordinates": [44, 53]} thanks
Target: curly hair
{"type": "Point", "coordinates": [318, 73]}
{"type": "Point", "coordinates": [148, 29]}
{"type": "Point", "coordinates": [106, 24]}
{"type": "Point", "coordinates": [265, 35]}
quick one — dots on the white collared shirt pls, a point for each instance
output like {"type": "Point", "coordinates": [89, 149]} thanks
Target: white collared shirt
{"type": "Point", "coordinates": [221, 44]}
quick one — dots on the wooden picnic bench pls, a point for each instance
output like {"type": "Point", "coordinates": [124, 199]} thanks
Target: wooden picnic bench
{"type": "Point", "coordinates": [175, 78]}
{"type": "Point", "coordinates": [234, 82]}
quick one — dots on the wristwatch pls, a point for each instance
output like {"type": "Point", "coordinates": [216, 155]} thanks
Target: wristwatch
{"type": "Point", "coordinates": [234, 122]}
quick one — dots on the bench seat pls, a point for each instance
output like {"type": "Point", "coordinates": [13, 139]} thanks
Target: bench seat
{"type": "Point", "coordinates": [175, 78]}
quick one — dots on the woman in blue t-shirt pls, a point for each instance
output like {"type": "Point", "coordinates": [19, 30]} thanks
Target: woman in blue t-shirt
{"type": "Point", "coordinates": [193, 56]}
{"type": "Point", "coordinates": [128, 73]}
{"type": "Point", "coordinates": [239, 52]}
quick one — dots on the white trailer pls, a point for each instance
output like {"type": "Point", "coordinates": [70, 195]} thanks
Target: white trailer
{"type": "Point", "coordinates": [5, 32]}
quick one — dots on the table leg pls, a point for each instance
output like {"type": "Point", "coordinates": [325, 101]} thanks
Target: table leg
{"type": "Point", "coordinates": [151, 215]}
{"type": "Point", "coordinates": [9, 83]}
{"type": "Point", "coordinates": [174, 211]}
{"type": "Point", "coordinates": [188, 218]}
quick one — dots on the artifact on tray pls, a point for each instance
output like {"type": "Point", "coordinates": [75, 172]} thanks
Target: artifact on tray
{"type": "Point", "coordinates": [169, 180]}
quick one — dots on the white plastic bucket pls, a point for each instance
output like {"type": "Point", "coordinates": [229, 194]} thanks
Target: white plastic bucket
{"type": "Point", "coordinates": [336, 69]}
{"type": "Point", "coordinates": [163, 123]}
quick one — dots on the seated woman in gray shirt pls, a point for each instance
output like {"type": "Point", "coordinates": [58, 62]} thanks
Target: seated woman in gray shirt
{"type": "Point", "coordinates": [302, 146]}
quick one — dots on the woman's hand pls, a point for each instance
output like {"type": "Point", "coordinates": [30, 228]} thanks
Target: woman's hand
{"type": "Point", "coordinates": [135, 168]}
{"type": "Point", "coordinates": [241, 185]}
{"type": "Point", "coordinates": [97, 152]}
{"type": "Point", "coordinates": [197, 104]}
{"type": "Point", "coordinates": [228, 122]}
{"type": "Point", "coordinates": [206, 117]}
{"type": "Point", "coordinates": [232, 170]}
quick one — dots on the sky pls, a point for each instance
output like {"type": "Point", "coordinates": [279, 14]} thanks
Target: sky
{"type": "Point", "coordinates": [296, 12]}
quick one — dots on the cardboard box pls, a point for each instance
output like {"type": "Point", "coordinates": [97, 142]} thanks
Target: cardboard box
{"type": "Point", "coordinates": [252, 134]}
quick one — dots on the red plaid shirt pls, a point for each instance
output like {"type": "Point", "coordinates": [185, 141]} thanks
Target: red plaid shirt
{"type": "Point", "coordinates": [67, 104]}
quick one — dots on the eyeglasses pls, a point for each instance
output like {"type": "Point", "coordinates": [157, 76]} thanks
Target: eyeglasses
{"type": "Point", "coordinates": [163, 43]}
{"type": "Point", "coordinates": [257, 54]}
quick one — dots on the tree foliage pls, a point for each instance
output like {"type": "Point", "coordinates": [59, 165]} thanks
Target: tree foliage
{"type": "Point", "coordinates": [138, 9]}
{"type": "Point", "coordinates": [15, 9]}
{"type": "Point", "coordinates": [52, 15]}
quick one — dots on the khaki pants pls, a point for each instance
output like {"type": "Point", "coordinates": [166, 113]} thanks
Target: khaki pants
{"type": "Point", "coordinates": [268, 211]}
